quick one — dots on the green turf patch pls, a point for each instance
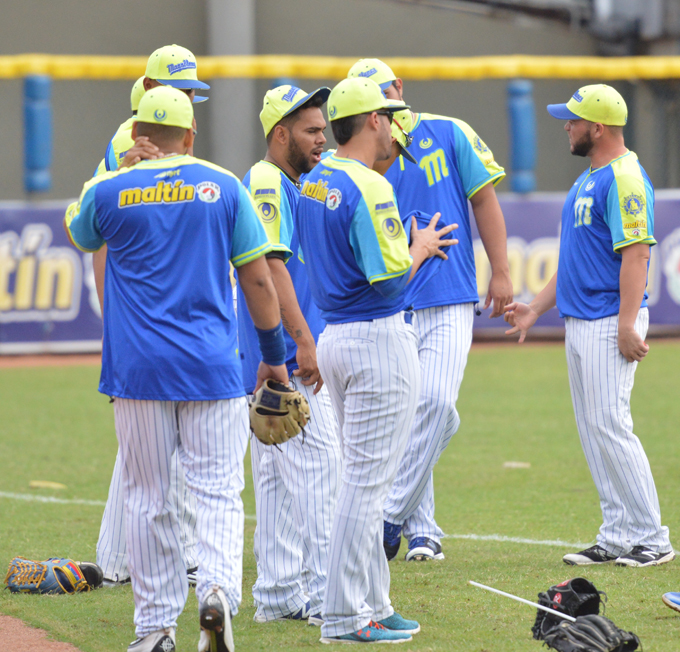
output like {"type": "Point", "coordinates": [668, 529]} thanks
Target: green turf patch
{"type": "Point", "coordinates": [514, 406]}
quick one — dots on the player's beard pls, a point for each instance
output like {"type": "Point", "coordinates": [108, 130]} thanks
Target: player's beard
{"type": "Point", "coordinates": [584, 146]}
{"type": "Point", "coordinates": [297, 159]}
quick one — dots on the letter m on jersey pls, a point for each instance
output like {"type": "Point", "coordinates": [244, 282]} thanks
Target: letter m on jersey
{"type": "Point", "coordinates": [434, 166]}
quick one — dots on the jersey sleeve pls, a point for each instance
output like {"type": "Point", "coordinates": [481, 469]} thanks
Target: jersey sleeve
{"type": "Point", "coordinates": [249, 240]}
{"type": "Point", "coordinates": [630, 210]}
{"type": "Point", "coordinates": [81, 221]}
{"type": "Point", "coordinates": [377, 236]}
{"type": "Point", "coordinates": [476, 163]}
{"type": "Point", "coordinates": [273, 207]}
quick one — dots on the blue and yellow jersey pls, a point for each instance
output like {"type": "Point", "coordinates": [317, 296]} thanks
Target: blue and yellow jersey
{"type": "Point", "coordinates": [172, 226]}
{"type": "Point", "coordinates": [117, 148]}
{"type": "Point", "coordinates": [453, 164]}
{"type": "Point", "coordinates": [351, 237]}
{"type": "Point", "coordinates": [276, 198]}
{"type": "Point", "coordinates": [607, 209]}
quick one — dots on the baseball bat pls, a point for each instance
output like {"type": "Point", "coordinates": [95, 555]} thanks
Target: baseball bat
{"type": "Point", "coordinates": [533, 604]}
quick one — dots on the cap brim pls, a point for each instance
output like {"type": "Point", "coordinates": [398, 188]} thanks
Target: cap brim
{"type": "Point", "coordinates": [184, 83]}
{"type": "Point", "coordinates": [385, 85]}
{"type": "Point", "coordinates": [323, 92]}
{"type": "Point", "coordinates": [197, 99]}
{"type": "Point", "coordinates": [407, 155]}
{"type": "Point", "coordinates": [561, 112]}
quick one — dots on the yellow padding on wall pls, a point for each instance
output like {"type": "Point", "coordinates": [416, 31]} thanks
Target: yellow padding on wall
{"type": "Point", "coordinates": [313, 67]}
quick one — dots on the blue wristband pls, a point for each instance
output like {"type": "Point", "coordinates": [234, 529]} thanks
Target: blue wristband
{"type": "Point", "coordinates": [272, 345]}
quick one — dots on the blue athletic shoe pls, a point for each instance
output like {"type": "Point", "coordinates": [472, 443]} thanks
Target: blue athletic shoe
{"type": "Point", "coordinates": [372, 633]}
{"type": "Point", "coordinates": [391, 540]}
{"type": "Point", "coordinates": [398, 624]}
{"type": "Point", "coordinates": [423, 549]}
{"type": "Point", "coordinates": [672, 600]}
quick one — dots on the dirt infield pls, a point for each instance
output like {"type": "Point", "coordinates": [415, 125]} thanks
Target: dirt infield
{"type": "Point", "coordinates": [89, 359]}
{"type": "Point", "coordinates": [16, 636]}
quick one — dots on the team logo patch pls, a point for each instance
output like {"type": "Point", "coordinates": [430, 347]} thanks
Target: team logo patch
{"type": "Point", "coordinates": [160, 115]}
{"type": "Point", "coordinates": [480, 145]}
{"type": "Point", "coordinates": [425, 143]}
{"type": "Point", "coordinates": [268, 212]}
{"type": "Point", "coordinates": [590, 185]}
{"type": "Point", "coordinates": [208, 191]}
{"type": "Point", "coordinates": [392, 228]}
{"type": "Point", "coordinates": [332, 110]}
{"type": "Point", "coordinates": [633, 204]}
{"type": "Point", "coordinates": [635, 232]}
{"type": "Point", "coordinates": [368, 73]}
{"type": "Point", "coordinates": [333, 199]}
{"type": "Point", "coordinates": [577, 96]}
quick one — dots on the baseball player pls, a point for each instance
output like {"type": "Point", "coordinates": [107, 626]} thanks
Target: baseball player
{"type": "Point", "coordinates": [454, 166]}
{"type": "Point", "coordinates": [359, 262]}
{"type": "Point", "coordinates": [170, 358]}
{"type": "Point", "coordinates": [174, 66]}
{"type": "Point", "coordinates": [599, 289]}
{"type": "Point", "coordinates": [299, 479]}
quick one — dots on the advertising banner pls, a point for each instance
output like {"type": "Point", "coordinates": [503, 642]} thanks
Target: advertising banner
{"type": "Point", "coordinates": [48, 300]}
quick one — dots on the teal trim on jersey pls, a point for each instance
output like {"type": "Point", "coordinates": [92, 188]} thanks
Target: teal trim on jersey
{"type": "Point", "coordinates": [82, 224]}
{"type": "Point", "coordinates": [352, 237]}
{"type": "Point", "coordinates": [630, 204]}
{"type": "Point", "coordinates": [375, 231]}
{"type": "Point", "coordinates": [608, 208]}
{"type": "Point", "coordinates": [272, 205]}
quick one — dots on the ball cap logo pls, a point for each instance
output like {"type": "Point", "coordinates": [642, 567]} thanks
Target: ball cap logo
{"type": "Point", "coordinates": [160, 115]}
{"type": "Point", "coordinates": [208, 191]}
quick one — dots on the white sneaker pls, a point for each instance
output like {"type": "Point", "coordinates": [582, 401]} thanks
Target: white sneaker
{"type": "Point", "coordinates": [160, 641]}
{"type": "Point", "coordinates": [215, 617]}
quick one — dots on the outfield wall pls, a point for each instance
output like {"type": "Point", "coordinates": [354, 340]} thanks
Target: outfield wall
{"type": "Point", "coordinates": [48, 301]}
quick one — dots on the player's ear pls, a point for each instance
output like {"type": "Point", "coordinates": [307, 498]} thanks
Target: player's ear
{"type": "Point", "coordinates": [189, 141]}
{"type": "Point", "coordinates": [281, 134]}
{"type": "Point", "coordinates": [134, 131]}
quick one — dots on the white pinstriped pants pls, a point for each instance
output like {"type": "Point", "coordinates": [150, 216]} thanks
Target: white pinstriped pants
{"type": "Point", "coordinates": [601, 382]}
{"type": "Point", "coordinates": [111, 549]}
{"type": "Point", "coordinates": [210, 438]}
{"type": "Point", "coordinates": [444, 340]}
{"type": "Point", "coordinates": [372, 374]}
{"type": "Point", "coordinates": [296, 490]}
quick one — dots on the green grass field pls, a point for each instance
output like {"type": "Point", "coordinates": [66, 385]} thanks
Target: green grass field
{"type": "Point", "coordinates": [514, 405]}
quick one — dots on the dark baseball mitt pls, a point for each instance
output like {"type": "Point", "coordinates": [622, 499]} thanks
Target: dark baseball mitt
{"type": "Point", "coordinates": [590, 634]}
{"type": "Point", "coordinates": [576, 597]}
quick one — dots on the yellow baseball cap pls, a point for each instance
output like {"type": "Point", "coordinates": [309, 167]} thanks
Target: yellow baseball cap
{"type": "Point", "coordinates": [596, 103]}
{"type": "Point", "coordinates": [359, 95]}
{"type": "Point", "coordinates": [402, 124]}
{"type": "Point", "coordinates": [136, 93]}
{"type": "Point", "coordinates": [373, 69]}
{"type": "Point", "coordinates": [173, 65]}
{"type": "Point", "coordinates": [283, 100]}
{"type": "Point", "coordinates": [168, 106]}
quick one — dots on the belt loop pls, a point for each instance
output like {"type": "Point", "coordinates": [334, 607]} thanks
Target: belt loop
{"type": "Point", "coordinates": [408, 316]}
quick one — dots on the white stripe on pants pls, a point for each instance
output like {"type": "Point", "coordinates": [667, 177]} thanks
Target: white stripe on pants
{"type": "Point", "coordinates": [111, 550]}
{"type": "Point", "coordinates": [444, 340]}
{"type": "Point", "coordinates": [372, 374]}
{"type": "Point", "coordinates": [295, 492]}
{"type": "Point", "coordinates": [601, 382]}
{"type": "Point", "coordinates": [210, 438]}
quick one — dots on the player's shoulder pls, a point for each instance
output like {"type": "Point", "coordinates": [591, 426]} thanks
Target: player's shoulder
{"type": "Point", "coordinates": [264, 178]}
{"type": "Point", "coordinates": [628, 167]}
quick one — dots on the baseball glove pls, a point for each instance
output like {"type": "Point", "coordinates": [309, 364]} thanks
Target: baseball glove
{"type": "Point", "coordinates": [590, 634]}
{"type": "Point", "coordinates": [577, 597]}
{"type": "Point", "coordinates": [55, 575]}
{"type": "Point", "coordinates": [278, 413]}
